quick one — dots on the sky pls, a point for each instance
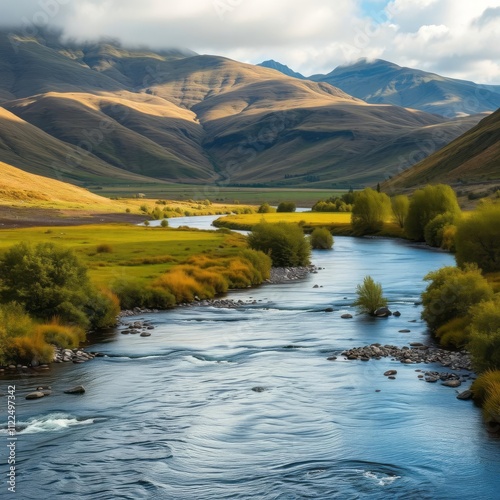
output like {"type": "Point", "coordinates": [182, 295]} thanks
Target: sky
{"type": "Point", "coordinates": [457, 38]}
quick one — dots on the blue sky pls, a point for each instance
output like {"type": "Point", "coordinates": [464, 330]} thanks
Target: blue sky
{"type": "Point", "coordinates": [457, 38]}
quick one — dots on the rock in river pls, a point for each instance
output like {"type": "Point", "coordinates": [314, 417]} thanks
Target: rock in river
{"type": "Point", "coordinates": [35, 395]}
{"type": "Point", "coordinates": [79, 389]}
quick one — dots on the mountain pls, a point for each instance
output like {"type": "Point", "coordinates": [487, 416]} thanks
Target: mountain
{"type": "Point", "coordinates": [101, 114]}
{"type": "Point", "coordinates": [382, 82]}
{"type": "Point", "coordinates": [474, 157]}
{"type": "Point", "coordinates": [282, 68]}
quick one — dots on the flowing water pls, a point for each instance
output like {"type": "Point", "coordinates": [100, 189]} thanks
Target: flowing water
{"type": "Point", "coordinates": [178, 415]}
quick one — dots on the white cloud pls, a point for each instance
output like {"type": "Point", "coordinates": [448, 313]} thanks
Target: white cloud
{"type": "Point", "coordinates": [452, 37]}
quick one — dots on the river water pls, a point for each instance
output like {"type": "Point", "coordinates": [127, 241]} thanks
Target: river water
{"type": "Point", "coordinates": [174, 416]}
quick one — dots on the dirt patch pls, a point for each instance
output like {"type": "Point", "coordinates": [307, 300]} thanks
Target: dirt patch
{"type": "Point", "coordinates": [11, 217]}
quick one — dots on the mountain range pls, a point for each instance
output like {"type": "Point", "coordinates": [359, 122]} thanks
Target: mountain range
{"type": "Point", "coordinates": [383, 82]}
{"type": "Point", "coordinates": [98, 113]}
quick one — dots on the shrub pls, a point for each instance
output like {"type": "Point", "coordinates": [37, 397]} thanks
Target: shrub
{"type": "Point", "coordinates": [265, 208]}
{"type": "Point", "coordinates": [67, 337]}
{"type": "Point", "coordinates": [486, 392]}
{"type": "Point", "coordinates": [425, 205]}
{"type": "Point", "coordinates": [454, 333]}
{"type": "Point", "coordinates": [370, 296]}
{"type": "Point", "coordinates": [133, 295]}
{"type": "Point", "coordinates": [47, 281]}
{"type": "Point", "coordinates": [29, 348]}
{"type": "Point", "coordinates": [286, 206]}
{"type": "Point", "coordinates": [144, 208]}
{"type": "Point", "coordinates": [181, 285]}
{"type": "Point", "coordinates": [369, 211]}
{"type": "Point", "coordinates": [104, 248]}
{"type": "Point", "coordinates": [478, 238]}
{"type": "Point", "coordinates": [164, 223]}
{"type": "Point", "coordinates": [484, 342]}
{"type": "Point", "coordinates": [451, 292]}
{"type": "Point", "coordinates": [283, 242]}
{"type": "Point", "coordinates": [435, 229]}
{"type": "Point", "coordinates": [321, 239]}
{"type": "Point", "coordinates": [400, 205]}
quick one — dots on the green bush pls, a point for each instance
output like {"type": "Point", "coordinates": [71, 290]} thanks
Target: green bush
{"type": "Point", "coordinates": [104, 248]}
{"type": "Point", "coordinates": [451, 292]}
{"type": "Point", "coordinates": [484, 343]}
{"type": "Point", "coordinates": [164, 223]}
{"type": "Point", "coordinates": [265, 208]}
{"type": "Point", "coordinates": [286, 206]}
{"type": "Point", "coordinates": [454, 333]}
{"type": "Point", "coordinates": [321, 239]}
{"type": "Point", "coordinates": [49, 282]}
{"type": "Point", "coordinates": [283, 242]}
{"type": "Point", "coordinates": [478, 238]}
{"type": "Point", "coordinates": [434, 231]}
{"type": "Point", "coordinates": [425, 205]}
{"type": "Point", "coordinates": [369, 212]}
{"type": "Point", "coordinates": [369, 296]}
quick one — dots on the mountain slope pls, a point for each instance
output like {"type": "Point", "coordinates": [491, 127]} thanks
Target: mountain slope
{"type": "Point", "coordinates": [474, 157]}
{"type": "Point", "coordinates": [282, 68]}
{"type": "Point", "coordinates": [384, 82]}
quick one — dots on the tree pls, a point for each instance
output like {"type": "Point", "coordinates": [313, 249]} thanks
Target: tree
{"type": "Point", "coordinates": [283, 242]}
{"type": "Point", "coordinates": [370, 211]}
{"type": "Point", "coordinates": [321, 239]}
{"type": "Point", "coordinates": [164, 223]}
{"type": "Point", "coordinates": [51, 282]}
{"type": "Point", "coordinates": [370, 296]}
{"type": "Point", "coordinates": [427, 203]}
{"type": "Point", "coordinates": [286, 206]}
{"type": "Point", "coordinates": [478, 238]}
{"type": "Point", "coordinates": [400, 205]}
{"type": "Point", "coordinates": [451, 292]}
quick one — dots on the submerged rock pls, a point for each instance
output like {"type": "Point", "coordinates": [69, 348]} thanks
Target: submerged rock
{"type": "Point", "coordinates": [35, 395]}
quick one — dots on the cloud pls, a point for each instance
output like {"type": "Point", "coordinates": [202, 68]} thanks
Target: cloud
{"type": "Point", "coordinates": [310, 37]}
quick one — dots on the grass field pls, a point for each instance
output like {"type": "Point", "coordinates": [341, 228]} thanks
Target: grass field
{"type": "Point", "coordinates": [133, 253]}
{"type": "Point", "coordinates": [337, 223]}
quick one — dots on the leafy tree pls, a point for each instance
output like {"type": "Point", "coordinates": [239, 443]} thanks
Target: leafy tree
{"type": "Point", "coordinates": [484, 342]}
{"type": "Point", "coordinates": [425, 205]}
{"type": "Point", "coordinates": [400, 205]}
{"type": "Point", "coordinates": [51, 282]}
{"type": "Point", "coordinates": [283, 242]}
{"type": "Point", "coordinates": [451, 292]}
{"type": "Point", "coordinates": [164, 223]}
{"type": "Point", "coordinates": [370, 296]}
{"type": "Point", "coordinates": [370, 211]}
{"type": "Point", "coordinates": [321, 239]}
{"type": "Point", "coordinates": [286, 206]}
{"type": "Point", "coordinates": [478, 239]}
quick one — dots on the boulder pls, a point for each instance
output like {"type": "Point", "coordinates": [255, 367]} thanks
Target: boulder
{"type": "Point", "coordinates": [388, 373]}
{"type": "Point", "coordinates": [405, 331]}
{"type": "Point", "coordinates": [346, 316]}
{"type": "Point", "coordinates": [332, 358]}
{"type": "Point", "coordinates": [258, 389]}
{"type": "Point", "coordinates": [329, 309]}
{"type": "Point", "coordinates": [465, 395]}
{"type": "Point", "coordinates": [79, 389]}
{"type": "Point", "coordinates": [35, 395]}
{"type": "Point", "coordinates": [145, 334]}
{"type": "Point", "coordinates": [382, 312]}
{"type": "Point", "coordinates": [452, 383]}
{"type": "Point", "coordinates": [396, 313]}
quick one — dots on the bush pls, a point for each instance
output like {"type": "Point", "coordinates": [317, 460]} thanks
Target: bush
{"type": "Point", "coordinates": [454, 333]}
{"type": "Point", "coordinates": [478, 238]}
{"type": "Point", "coordinates": [484, 342]}
{"type": "Point", "coordinates": [451, 292]}
{"type": "Point", "coordinates": [286, 206]}
{"type": "Point", "coordinates": [369, 212]}
{"type": "Point", "coordinates": [370, 296]}
{"type": "Point", "coordinates": [283, 242]}
{"type": "Point", "coordinates": [425, 205]}
{"type": "Point", "coordinates": [400, 205]}
{"type": "Point", "coordinates": [104, 248]}
{"type": "Point", "coordinates": [265, 208]}
{"type": "Point", "coordinates": [434, 231]}
{"type": "Point", "coordinates": [486, 393]}
{"type": "Point", "coordinates": [164, 223]}
{"type": "Point", "coordinates": [321, 239]}
{"type": "Point", "coordinates": [67, 337]}
{"type": "Point", "coordinates": [133, 295]}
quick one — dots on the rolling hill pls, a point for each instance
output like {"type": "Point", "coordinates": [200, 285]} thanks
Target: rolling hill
{"type": "Point", "coordinates": [100, 114]}
{"type": "Point", "coordinates": [472, 158]}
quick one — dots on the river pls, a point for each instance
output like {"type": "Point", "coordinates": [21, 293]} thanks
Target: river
{"type": "Point", "coordinates": [175, 416]}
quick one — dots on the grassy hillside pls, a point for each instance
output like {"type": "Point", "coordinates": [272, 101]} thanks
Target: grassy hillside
{"type": "Point", "coordinates": [474, 157]}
